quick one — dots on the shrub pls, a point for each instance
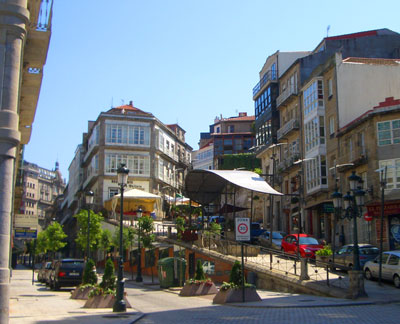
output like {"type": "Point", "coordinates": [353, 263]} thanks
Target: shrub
{"type": "Point", "coordinates": [235, 276]}
{"type": "Point", "coordinates": [109, 278]}
{"type": "Point", "coordinates": [89, 274]}
{"type": "Point", "coordinates": [199, 271]}
{"type": "Point", "coordinates": [326, 251]}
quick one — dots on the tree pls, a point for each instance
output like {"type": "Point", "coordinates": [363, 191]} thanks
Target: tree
{"type": "Point", "coordinates": [146, 226]}
{"type": "Point", "coordinates": [89, 274]}
{"type": "Point", "coordinates": [94, 231]}
{"type": "Point", "coordinates": [108, 281]}
{"type": "Point", "coordinates": [41, 243]}
{"type": "Point", "coordinates": [125, 238]}
{"type": "Point", "coordinates": [55, 236]}
{"type": "Point", "coordinates": [235, 276]}
{"type": "Point", "coordinates": [199, 271]}
{"type": "Point", "coordinates": [105, 241]}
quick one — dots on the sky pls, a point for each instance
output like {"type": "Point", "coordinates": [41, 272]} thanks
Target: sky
{"type": "Point", "coordinates": [185, 61]}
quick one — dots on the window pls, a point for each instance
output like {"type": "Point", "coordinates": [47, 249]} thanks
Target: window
{"type": "Point", "coordinates": [393, 173]}
{"type": "Point", "coordinates": [330, 89]}
{"type": "Point", "coordinates": [112, 192]}
{"type": "Point", "coordinates": [137, 164]}
{"type": "Point", "coordinates": [231, 129]}
{"type": "Point", "coordinates": [361, 143]}
{"type": "Point", "coordinates": [351, 149]}
{"type": "Point", "coordinates": [331, 125]}
{"type": "Point", "coordinates": [316, 173]}
{"type": "Point", "coordinates": [389, 132]}
{"type": "Point", "coordinates": [217, 129]}
{"type": "Point", "coordinates": [127, 134]}
{"type": "Point", "coordinates": [314, 133]}
{"type": "Point", "coordinates": [313, 97]}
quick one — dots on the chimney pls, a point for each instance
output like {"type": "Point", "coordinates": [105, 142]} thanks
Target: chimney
{"type": "Point", "coordinates": [242, 114]}
{"type": "Point", "coordinates": [131, 103]}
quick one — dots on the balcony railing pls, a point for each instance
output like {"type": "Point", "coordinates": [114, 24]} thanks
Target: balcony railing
{"type": "Point", "coordinates": [288, 162]}
{"type": "Point", "coordinates": [268, 76]}
{"type": "Point", "coordinates": [291, 90]}
{"type": "Point", "coordinates": [288, 127]}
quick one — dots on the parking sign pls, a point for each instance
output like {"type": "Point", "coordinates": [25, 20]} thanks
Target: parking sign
{"type": "Point", "coordinates": [242, 226]}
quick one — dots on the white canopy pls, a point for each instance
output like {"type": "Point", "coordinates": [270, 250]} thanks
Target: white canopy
{"type": "Point", "coordinates": [203, 186]}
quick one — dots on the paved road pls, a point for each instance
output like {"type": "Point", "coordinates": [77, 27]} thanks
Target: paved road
{"type": "Point", "coordinates": [37, 304]}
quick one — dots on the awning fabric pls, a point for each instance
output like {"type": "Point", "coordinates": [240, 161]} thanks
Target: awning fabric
{"type": "Point", "coordinates": [204, 186]}
{"type": "Point", "coordinates": [134, 198]}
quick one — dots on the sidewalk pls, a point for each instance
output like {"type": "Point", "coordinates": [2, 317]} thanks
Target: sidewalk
{"type": "Point", "coordinates": [37, 304]}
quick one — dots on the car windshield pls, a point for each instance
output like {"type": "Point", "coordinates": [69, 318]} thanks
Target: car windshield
{"type": "Point", "coordinates": [308, 241]}
{"type": "Point", "coordinates": [369, 250]}
{"type": "Point", "coordinates": [276, 235]}
{"type": "Point", "coordinates": [72, 264]}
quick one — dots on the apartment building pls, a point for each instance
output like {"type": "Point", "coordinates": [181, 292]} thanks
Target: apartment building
{"type": "Point", "coordinates": [156, 155]}
{"type": "Point", "coordinates": [232, 135]}
{"type": "Point", "coordinates": [318, 94]}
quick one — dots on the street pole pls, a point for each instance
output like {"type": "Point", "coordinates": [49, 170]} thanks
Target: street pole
{"type": "Point", "coordinates": [383, 184]}
{"type": "Point", "coordinates": [89, 201]}
{"type": "Point", "coordinates": [356, 253]}
{"type": "Point", "coordinates": [139, 263]}
{"type": "Point", "coordinates": [120, 305]}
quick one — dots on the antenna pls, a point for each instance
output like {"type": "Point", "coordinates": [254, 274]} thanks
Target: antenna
{"type": "Point", "coordinates": [327, 30]}
{"type": "Point", "coordinates": [112, 102]}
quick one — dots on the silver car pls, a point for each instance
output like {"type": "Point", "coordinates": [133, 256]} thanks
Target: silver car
{"type": "Point", "coordinates": [277, 237]}
{"type": "Point", "coordinates": [390, 267]}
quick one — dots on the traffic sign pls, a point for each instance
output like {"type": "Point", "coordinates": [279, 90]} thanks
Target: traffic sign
{"type": "Point", "coordinates": [242, 226]}
{"type": "Point", "coordinates": [367, 217]}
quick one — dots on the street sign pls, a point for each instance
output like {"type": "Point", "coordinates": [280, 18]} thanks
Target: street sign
{"type": "Point", "coordinates": [367, 217]}
{"type": "Point", "coordinates": [25, 233]}
{"type": "Point", "coordinates": [242, 226]}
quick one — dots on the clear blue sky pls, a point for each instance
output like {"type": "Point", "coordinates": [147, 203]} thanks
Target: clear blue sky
{"type": "Point", "coordinates": [185, 61]}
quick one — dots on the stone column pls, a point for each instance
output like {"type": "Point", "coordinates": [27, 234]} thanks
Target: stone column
{"type": "Point", "coordinates": [304, 269]}
{"type": "Point", "coordinates": [13, 19]}
{"type": "Point", "coordinates": [356, 289]}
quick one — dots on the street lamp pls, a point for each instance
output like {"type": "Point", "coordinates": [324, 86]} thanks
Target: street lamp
{"type": "Point", "coordinates": [89, 201]}
{"type": "Point", "coordinates": [139, 263]}
{"type": "Point", "coordinates": [119, 305]}
{"type": "Point", "coordinates": [353, 202]}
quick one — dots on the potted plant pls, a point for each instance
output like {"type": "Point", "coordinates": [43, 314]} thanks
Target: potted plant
{"type": "Point", "coordinates": [89, 281]}
{"type": "Point", "coordinates": [199, 285]}
{"type": "Point", "coordinates": [322, 256]}
{"type": "Point", "coordinates": [232, 291]}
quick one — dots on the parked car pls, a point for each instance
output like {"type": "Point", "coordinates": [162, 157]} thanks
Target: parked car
{"type": "Point", "coordinates": [307, 245]}
{"type": "Point", "coordinates": [277, 238]}
{"type": "Point", "coordinates": [390, 267]}
{"type": "Point", "coordinates": [344, 256]}
{"type": "Point", "coordinates": [66, 273]}
{"type": "Point", "coordinates": [43, 271]}
{"type": "Point", "coordinates": [217, 219]}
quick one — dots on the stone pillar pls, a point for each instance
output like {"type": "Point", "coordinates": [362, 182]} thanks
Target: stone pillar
{"type": "Point", "coordinates": [304, 269]}
{"type": "Point", "coordinates": [356, 288]}
{"type": "Point", "coordinates": [13, 19]}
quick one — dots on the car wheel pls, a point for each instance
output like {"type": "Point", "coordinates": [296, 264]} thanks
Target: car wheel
{"type": "Point", "coordinates": [368, 274]}
{"type": "Point", "coordinates": [396, 281]}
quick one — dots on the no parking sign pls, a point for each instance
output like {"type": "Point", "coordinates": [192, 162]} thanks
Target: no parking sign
{"type": "Point", "coordinates": [242, 226]}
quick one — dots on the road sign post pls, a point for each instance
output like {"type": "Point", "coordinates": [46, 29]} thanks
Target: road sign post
{"type": "Point", "coordinates": [242, 228]}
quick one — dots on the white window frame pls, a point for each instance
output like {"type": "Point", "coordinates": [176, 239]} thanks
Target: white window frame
{"type": "Point", "coordinates": [393, 131]}
{"type": "Point", "coordinates": [393, 173]}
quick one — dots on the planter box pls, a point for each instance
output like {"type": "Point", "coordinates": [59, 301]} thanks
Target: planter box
{"type": "Point", "coordinates": [81, 293]}
{"type": "Point", "coordinates": [198, 290]}
{"type": "Point", "coordinates": [236, 295]}
{"type": "Point", "coordinates": [103, 301]}
{"type": "Point", "coordinates": [322, 260]}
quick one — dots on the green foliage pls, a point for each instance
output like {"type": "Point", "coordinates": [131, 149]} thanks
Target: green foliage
{"type": "Point", "coordinates": [146, 226]}
{"type": "Point", "coordinates": [258, 171]}
{"type": "Point", "coordinates": [326, 251]}
{"type": "Point", "coordinates": [242, 160]}
{"type": "Point", "coordinates": [105, 241]}
{"type": "Point", "coordinates": [180, 226]}
{"type": "Point", "coordinates": [199, 271]}
{"type": "Point", "coordinates": [94, 231]}
{"type": "Point", "coordinates": [89, 274]}
{"type": "Point", "coordinates": [214, 229]}
{"type": "Point", "coordinates": [41, 243]}
{"type": "Point", "coordinates": [231, 285]}
{"type": "Point", "coordinates": [108, 281]}
{"type": "Point", "coordinates": [125, 237]}
{"type": "Point", "coordinates": [235, 276]}
{"type": "Point", "coordinates": [97, 291]}
{"type": "Point", "coordinates": [54, 237]}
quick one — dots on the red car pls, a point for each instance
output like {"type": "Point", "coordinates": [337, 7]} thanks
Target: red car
{"type": "Point", "coordinates": [308, 245]}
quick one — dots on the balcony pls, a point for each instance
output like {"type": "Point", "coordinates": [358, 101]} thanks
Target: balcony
{"type": "Point", "coordinates": [286, 94]}
{"type": "Point", "coordinates": [269, 76]}
{"type": "Point", "coordinates": [288, 127]}
{"type": "Point", "coordinates": [288, 162]}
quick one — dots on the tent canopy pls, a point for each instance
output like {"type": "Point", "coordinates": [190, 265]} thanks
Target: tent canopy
{"type": "Point", "coordinates": [204, 186]}
{"type": "Point", "coordinates": [133, 199]}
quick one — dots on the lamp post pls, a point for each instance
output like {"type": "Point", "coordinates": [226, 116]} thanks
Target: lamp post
{"type": "Point", "coordinates": [119, 305]}
{"type": "Point", "coordinates": [383, 178]}
{"type": "Point", "coordinates": [353, 202]}
{"type": "Point", "coordinates": [89, 201]}
{"type": "Point", "coordinates": [139, 263]}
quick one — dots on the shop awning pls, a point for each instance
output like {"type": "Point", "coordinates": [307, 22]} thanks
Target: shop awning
{"type": "Point", "coordinates": [204, 186]}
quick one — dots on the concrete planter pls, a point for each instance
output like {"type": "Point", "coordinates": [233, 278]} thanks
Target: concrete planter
{"type": "Point", "coordinates": [236, 296]}
{"type": "Point", "coordinates": [198, 289]}
{"type": "Point", "coordinates": [81, 293]}
{"type": "Point", "coordinates": [322, 260]}
{"type": "Point", "coordinates": [103, 301]}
